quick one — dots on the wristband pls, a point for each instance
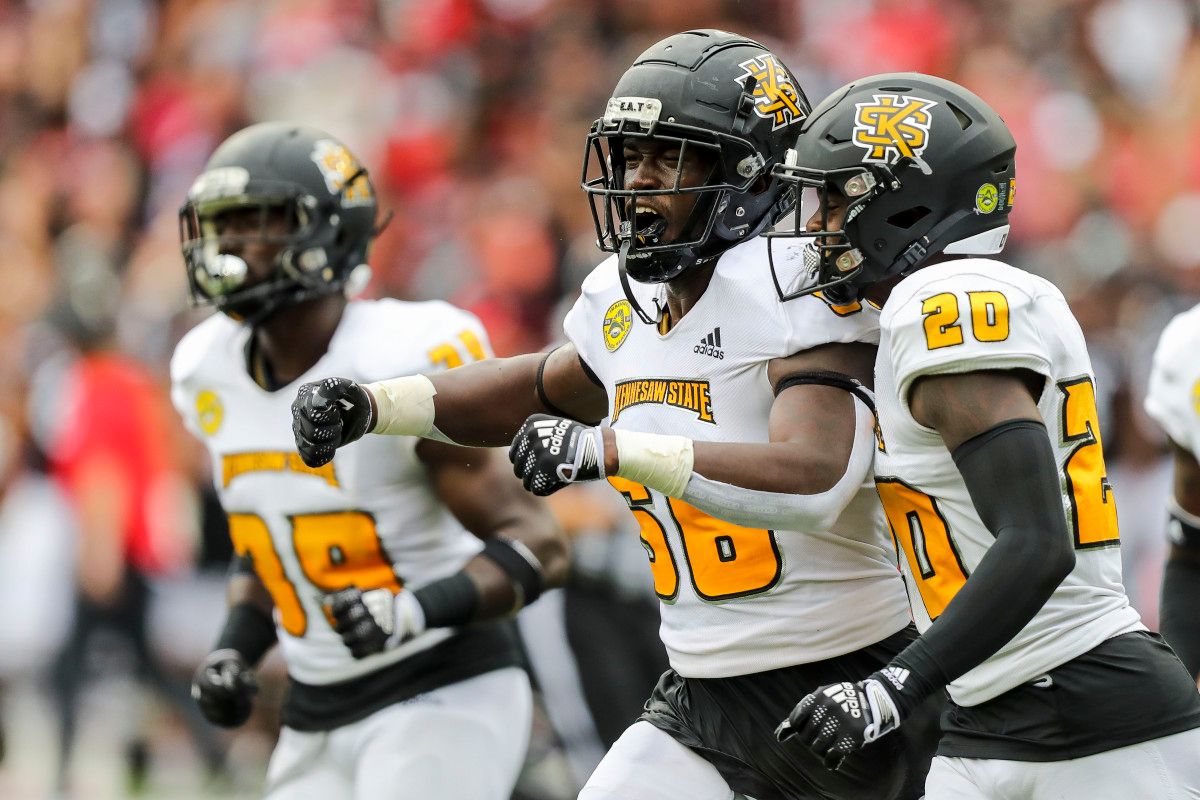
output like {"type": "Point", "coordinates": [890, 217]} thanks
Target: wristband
{"type": "Point", "coordinates": [520, 565]}
{"type": "Point", "coordinates": [656, 460]}
{"type": "Point", "coordinates": [1183, 528]}
{"type": "Point", "coordinates": [248, 630]}
{"type": "Point", "coordinates": [449, 602]}
{"type": "Point", "coordinates": [403, 406]}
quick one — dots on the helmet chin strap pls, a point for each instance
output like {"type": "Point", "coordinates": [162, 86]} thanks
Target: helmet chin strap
{"type": "Point", "coordinates": [623, 253]}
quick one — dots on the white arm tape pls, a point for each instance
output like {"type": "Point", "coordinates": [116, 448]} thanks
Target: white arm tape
{"type": "Point", "coordinates": [656, 460]}
{"type": "Point", "coordinates": [808, 513]}
{"type": "Point", "coordinates": [404, 407]}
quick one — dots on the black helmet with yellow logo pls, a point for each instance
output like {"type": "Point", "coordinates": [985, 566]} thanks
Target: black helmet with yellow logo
{"type": "Point", "coordinates": [925, 166]}
{"type": "Point", "coordinates": [326, 198]}
{"type": "Point", "coordinates": [723, 94]}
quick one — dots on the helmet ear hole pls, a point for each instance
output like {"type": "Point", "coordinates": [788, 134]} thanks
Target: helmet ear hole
{"type": "Point", "coordinates": [908, 217]}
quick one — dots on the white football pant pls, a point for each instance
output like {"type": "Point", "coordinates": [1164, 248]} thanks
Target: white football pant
{"type": "Point", "coordinates": [647, 764]}
{"type": "Point", "coordinates": [1160, 769]}
{"type": "Point", "coordinates": [465, 741]}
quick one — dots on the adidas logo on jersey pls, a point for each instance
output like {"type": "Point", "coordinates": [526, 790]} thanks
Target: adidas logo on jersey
{"type": "Point", "coordinates": [710, 345]}
{"type": "Point", "coordinates": [551, 433]}
{"type": "Point", "coordinates": [845, 695]}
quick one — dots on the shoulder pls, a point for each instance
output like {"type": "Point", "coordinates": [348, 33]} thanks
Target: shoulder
{"type": "Point", "coordinates": [963, 278]}
{"type": "Point", "coordinates": [388, 337]}
{"type": "Point", "coordinates": [202, 346]}
{"type": "Point", "coordinates": [968, 315]}
{"type": "Point", "coordinates": [1175, 378]}
{"type": "Point", "coordinates": [747, 278]}
{"type": "Point", "coordinates": [1181, 336]}
{"type": "Point", "coordinates": [602, 280]}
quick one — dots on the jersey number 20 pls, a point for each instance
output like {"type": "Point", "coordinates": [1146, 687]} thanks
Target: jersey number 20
{"type": "Point", "coordinates": [928, 543]}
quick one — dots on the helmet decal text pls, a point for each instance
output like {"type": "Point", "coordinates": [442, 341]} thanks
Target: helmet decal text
{"type": "Point", "coordinates": [337, 166]}
{"type": "Point", "coordinates": [892, 126]}
{"type": "Point", "coordinates": [775, 94]}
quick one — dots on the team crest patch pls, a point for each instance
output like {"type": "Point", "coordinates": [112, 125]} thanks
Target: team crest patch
{"type": "Point", "coordinates": [892, 126]}
{"type": "Point", "coordinates": [775, 94]}
{"type": "Point", "coordinates": [618, 321]}
{"type": "Point", "coordinates": [210, 413]}
{"type": "Point", "coordinates": [338, 166]}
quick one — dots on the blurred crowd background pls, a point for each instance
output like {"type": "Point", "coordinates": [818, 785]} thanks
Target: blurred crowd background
{"type": "Point", "coordinates": [471, 115]}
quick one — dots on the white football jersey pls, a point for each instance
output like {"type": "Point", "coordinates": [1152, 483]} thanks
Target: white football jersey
{"type": "Point", "coordinates": [980, 314]}
{"type": "Point", "coordinates": [1173, 399]}
{"type": "Point", "coordinates": [370, 517]}
{"type": "Point", "coordinates": [736, 600]}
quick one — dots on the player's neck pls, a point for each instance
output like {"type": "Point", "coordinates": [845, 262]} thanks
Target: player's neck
{"type": "Point", "coordinates": [293, 339]}
{"type": "Point", "coordinates": [685, 291]}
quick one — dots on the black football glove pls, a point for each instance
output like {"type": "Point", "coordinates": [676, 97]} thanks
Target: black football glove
{"type": "Point", "coordinates": [376, 620]}
{"type": "Point", "coordinates": [224, 687]}
{"type": "Point", "coordinates": [327, 415]}
{"type": "Point", "coordinates": [838, 719]}
{"type": "Point", "coordinates": [550, 452]}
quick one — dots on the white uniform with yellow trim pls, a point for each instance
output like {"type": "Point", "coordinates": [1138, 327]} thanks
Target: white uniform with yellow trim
{"type": "Point", "coordinates": [1173, 399]}
{"type": "Point", "coordinates": [370, 519]}
{"type": "Point", "coordinates": [735, 600]}
{"type": "Point", "coordinates": [979, 314]}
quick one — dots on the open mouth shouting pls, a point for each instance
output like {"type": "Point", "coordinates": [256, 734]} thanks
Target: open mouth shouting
{"type": "Point", "coordinates": [649, 225]}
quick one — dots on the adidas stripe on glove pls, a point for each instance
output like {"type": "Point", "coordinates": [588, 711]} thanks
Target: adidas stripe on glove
{"type": "Point", "coordinates": [838, 719]}
{"type": "Point", "coordinates": [550, 452]}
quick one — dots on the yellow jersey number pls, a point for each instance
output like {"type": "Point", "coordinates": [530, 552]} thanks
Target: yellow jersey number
{"type": "Point", "coordinates": [989, 318]}
{"type": "Point", "coordinates": [725, 560]}
{"type": "Point", "coordinates": [922, 534]}
{"type": "Point", "coordinates": [334, 550]}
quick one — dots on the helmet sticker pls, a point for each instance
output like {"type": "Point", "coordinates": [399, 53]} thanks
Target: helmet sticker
{"type": "Point", "coordinates": [987, 197]}
{"type": "Point", "coordinates": [892, 126]}
{"type": "Point", "coordinates": [618, 321]}
{"type": "Point", "coordinates": [642, 110]}
{"type": "Point", "coordinates": [337, 166]}
{"type": "Point", "coordinates": [219, 183]}
{"type": "Point", "coordinates": [775, 95]}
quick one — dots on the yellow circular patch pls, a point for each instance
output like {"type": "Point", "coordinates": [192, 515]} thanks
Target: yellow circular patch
{"type": "Point", "coordinates": [618, 321]}
{"type": "Point", "coordinates": [1196, 397]}
{"type": "Point", "coordinates": [209, 411]}
{"type": "Point", "coordinates": [986, 198]}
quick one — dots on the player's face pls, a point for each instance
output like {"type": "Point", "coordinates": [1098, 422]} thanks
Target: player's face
{"type": "Point", "coordinates": [830, 214]}
{"type": "Point", "coordinates": [655, 165]}
{"type": "Point", "coordinates": [254, 235]}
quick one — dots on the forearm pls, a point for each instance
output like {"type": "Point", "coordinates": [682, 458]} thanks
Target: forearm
{"type": "Point", "coordinates": [249, 627]}
{"type": "Point", "coordinates": [1033, 550]}
{"type": "Point", "coordinates": [483, 404]}
{"type": "Point", "coordinates": [793, 485]}
{"type": "Point", "coordinates": [1179, 615]}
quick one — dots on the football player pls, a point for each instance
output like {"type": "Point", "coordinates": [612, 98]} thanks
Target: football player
{"type": "Point", "coordinates": [363, 569]}
{"type": "Point", "coordinates": [739, 432]}
{"type": "Point", "coordinates": [1172, 402]}
{"type": "Point", "coordinates": [990, 469]}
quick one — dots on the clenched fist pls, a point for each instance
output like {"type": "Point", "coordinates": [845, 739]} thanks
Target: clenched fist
{"type": "Point", "coordinates": [550, 452]}
{"type": "Point", "coordinates": [329, 414]}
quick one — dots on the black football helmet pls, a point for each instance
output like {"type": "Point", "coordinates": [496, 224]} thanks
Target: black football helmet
{"type": "Point", "coordinates": [708, 89]}
{"type": "Point", "coordinates": [326, 197]}
{"type": "Point", "coordinates": [926, 167]}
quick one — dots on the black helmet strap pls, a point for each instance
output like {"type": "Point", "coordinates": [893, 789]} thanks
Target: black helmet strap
{"type": "Point", "coordinates": [622, 254]}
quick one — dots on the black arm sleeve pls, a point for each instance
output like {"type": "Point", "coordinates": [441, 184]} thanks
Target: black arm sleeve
{"type": "Point", "coordinates": [1011, 475]}
{"type": "Point", "coordinates": [1179, 615]}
